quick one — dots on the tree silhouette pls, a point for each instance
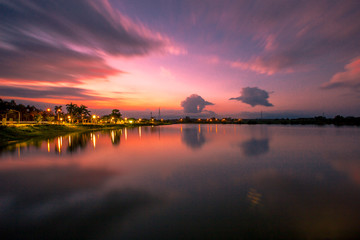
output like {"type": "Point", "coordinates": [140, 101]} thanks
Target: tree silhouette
{"type": "Point", "coordinates": [115, 113]}
{"type": "Point", "coordinates": [71, 109]}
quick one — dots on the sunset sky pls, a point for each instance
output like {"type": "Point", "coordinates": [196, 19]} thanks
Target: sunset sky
{"type": "Point", "coordinates": [190, 58]}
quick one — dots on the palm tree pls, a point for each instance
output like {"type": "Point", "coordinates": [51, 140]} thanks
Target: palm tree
{"type": "Point", "coordinates": [71, 109]}
{"type": "Point", "coordinates": [83, 111]}
{"type": "Point", "coordinates": [58, 110]}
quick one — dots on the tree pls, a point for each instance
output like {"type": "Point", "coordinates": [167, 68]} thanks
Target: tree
{"type": "Point", "coordinates": [83, 112]}
{"type": "Point", "coordinates": [50, 118]}
{"type": "Point", "coordinates": [115, 113]}
{"type": "Point", "coordinates": [38, 118]}
{"type": "Point", "coordinates": [58, 110]}
{"type": "Point", "coordinates": [71, 109]}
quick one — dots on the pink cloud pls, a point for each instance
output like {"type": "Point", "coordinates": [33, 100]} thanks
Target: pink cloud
{"type": "Point", "coordinates": [263, 66]}
{"type": "Point", "coordinates": [350, 78]}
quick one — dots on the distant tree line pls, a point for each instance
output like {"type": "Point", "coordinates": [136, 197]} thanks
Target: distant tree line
{"type": "Point", "coordinates": [28, 112]}
{"type": "Point", "coordinates": [74, 113]}
{"type": "Point", "coordinates": [79, 114]}
{"type": "Point", "coordinates": [319, 120]}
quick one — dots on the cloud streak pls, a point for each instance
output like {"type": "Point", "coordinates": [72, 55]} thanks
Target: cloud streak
{"type": "Point", "coordinates": [254, 96]}
{"type": "Point", "coordinates": [50, 92]}
{"type": "Point", "coordinates": [350, 78]}
{"type": "Point", "coordinates": [284, 36]}
{"type": "Point", "coordinates": [194, 104]}
{"type": "Point", "coordinates": [49, 41]}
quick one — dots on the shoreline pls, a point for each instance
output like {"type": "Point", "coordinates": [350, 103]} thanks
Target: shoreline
{"type": "Point", "coordinates": [11, 134]}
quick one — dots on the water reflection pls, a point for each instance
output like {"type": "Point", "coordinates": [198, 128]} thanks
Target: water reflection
{"type": "Point", "coordinates": [255, 147]}
{"type": "Point", "coordinates": [193, 137]}
{"type": "Point", "coordinates": [77, 142]}
{"type": "Point", "coordinates": [307, 188]}
{"type": "Point", "coordinates": [67, 203]}
{"type": "Point", "coordinates": [115, 137]}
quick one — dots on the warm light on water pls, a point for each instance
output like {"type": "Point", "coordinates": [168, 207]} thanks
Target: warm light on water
{"type": "Point", "coordinates": [184, 182]}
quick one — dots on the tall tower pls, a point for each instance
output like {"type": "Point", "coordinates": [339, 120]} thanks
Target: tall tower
{"type": "Point", "coordinates": [159, 113]}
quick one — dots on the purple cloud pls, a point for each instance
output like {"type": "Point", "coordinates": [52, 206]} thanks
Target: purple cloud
{"type": "Point", "coordinates": [254, 96]}
{"type": "Point", "coordinates": [194, 104]}
{"type": "Point", "coordinates": [269, 37]}
{"type": "Point", "coordinates": [350, 78]}
{"type": "Point", "coordinates": [48, 40]}
{"type": "Point", "coordinates": [68, 93]}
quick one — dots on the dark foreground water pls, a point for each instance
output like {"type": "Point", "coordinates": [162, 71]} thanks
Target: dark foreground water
{"type": "Point", "coordinates": [184, 182]}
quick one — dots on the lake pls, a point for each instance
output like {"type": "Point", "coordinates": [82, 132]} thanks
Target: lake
{"type": "Point", "coordinates": [184, 182]}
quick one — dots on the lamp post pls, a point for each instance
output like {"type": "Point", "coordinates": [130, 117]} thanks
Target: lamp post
{"type": "Point", "coordinates": [58, 113]}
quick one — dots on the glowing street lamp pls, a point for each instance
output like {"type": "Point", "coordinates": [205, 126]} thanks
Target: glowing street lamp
{"type": "Point", "coordinates": [48, 109]}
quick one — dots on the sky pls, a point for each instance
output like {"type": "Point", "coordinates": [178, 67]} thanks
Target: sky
{"type": "Point", "coordinates": [188, 58]}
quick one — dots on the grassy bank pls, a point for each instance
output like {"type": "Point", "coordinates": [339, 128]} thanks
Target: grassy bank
{"type": "Point", "coordinates": [16, 133]}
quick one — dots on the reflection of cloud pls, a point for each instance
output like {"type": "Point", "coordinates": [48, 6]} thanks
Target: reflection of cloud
{"type": "Point", "coordinates": [287, 201]}
{"type": "Point", "coordinates": [254, 96]}
{"type": "Point", "coordinates": [254, 147]}
{"type": "Point", "coordinates": [62, 203]}
{"type": "Point", "coordinates": [192, 137]}
{"type": "Point", "coordinates": [194, 104]}
{"type": "Point", "coordinates": [350, 78]}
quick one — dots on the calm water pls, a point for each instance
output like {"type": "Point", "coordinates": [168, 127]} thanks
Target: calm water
{"type": "Point", "coordinates": [185, 182]}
